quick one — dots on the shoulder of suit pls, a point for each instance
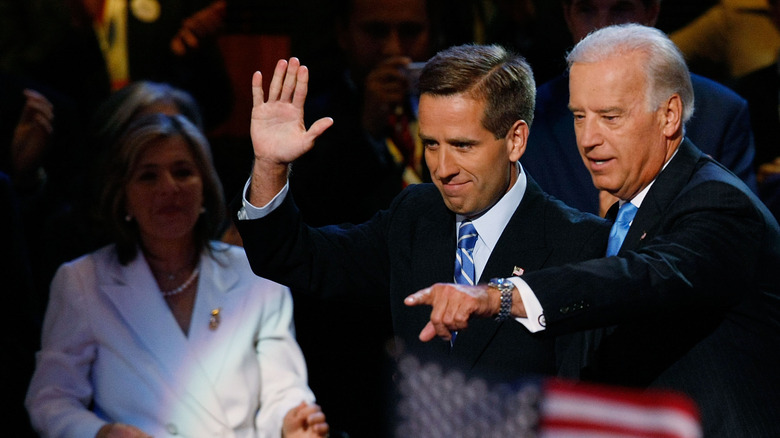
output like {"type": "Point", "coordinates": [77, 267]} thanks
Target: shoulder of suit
{"type": "Point", "coordinates": [227, 256]}
{"type": "Point", "coordinates": [423, 193]}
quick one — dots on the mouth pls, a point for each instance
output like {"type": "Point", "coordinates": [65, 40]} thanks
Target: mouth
{"type": "Point", "coordinates": [169, 210]}
{"type": "Point", "coordinates": [453, 187]}
{"type": "Point", "coordinates": [598, 164]}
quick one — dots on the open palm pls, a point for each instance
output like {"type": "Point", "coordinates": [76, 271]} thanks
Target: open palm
{"type": "Point", "coordinates": [277, 129]}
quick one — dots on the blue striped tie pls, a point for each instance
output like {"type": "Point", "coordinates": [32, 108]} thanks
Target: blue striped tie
{"type": "Point", "coordinates": [620, 228]}
{"type": "Point", "coordinates": [464, 258]}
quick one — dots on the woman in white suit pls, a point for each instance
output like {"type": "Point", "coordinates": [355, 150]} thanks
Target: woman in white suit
{"type": "Point", "coordinates": [165, 332]}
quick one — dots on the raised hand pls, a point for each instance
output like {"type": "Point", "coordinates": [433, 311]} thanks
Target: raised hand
{"type": "Point", "coordinates": [206, 23]}
{"type": "Point", "coordinates": [278, 133]}
{"type": "Point", "coordinates": [277, 129]}
{"type": "Point", "coordinates": [32, 135]}
{"type": "Point", "coordinates": [386, 87]}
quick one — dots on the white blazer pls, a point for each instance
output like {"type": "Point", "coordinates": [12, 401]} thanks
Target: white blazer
{"type": "Point", "coordinates": [113, 352]}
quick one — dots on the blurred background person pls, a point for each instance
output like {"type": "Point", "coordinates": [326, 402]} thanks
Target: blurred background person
{"type": "Point", "coordinates": [165, 331]}
{"type": "Point", "coordinates": [172, 41]}
{"type": "Point", "coordinates": [761, 88]}
{"type": "Point", "coordinates": [729, 40]}
{"type": "Point", "coordinates": [357, 167]}
{"type": "Point", "coordinates": [65, 233]}
{"type": "Point", "coordinates": [21, 333]}
{"type": "Point", "coordinates": [372, 151]}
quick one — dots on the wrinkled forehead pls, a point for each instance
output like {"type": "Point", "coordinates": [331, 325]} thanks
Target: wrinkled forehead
{"type": "Point", "coordinates": [614, 81]}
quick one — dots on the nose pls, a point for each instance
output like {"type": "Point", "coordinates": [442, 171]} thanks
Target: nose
{"type": "Point", "coordinates": [446, 165]}
{"type": "Point", "coordinates": [587, 132]}
{"type": "Point", "coordinates": [167, 183]}
{"type": "Point", "coordinates": [392, 43]}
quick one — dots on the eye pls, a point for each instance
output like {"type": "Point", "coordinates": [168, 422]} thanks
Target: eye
{"type": "Point", "coordinates": [146, 175]}
{"type": "Point", "coordinates": [183, 172]}
{"type": "Point", "coordinates": [463, 145]}
{"type": "Point", "coordinates": [410, 31]}
{"type": "Point", "coordinates": [585, 9]}
{"type": "Point", "coordinates": [376, 31]}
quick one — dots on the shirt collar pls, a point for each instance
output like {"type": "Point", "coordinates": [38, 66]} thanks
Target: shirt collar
{"type": "Point", "coordinates": [490, 225]}
{"type": "Point", "coordinates": [640, 197]}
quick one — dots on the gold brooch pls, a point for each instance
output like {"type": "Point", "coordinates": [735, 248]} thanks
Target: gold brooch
{"type": "Point", "coordinates": [214, 319]}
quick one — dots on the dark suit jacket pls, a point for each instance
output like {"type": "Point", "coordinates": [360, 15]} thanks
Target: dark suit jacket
{"type": "Point", "coordinates": [720, 126]}
{"type": "Point", "coordinates": [411, 246]}
{"type": "Point", "coordinates": [692, 300]}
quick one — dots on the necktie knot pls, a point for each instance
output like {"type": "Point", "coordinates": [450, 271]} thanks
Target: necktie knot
{"type": "Point", "coordinates": [467, 236]}
{"type": "Point", "coordinates": [620, 228]}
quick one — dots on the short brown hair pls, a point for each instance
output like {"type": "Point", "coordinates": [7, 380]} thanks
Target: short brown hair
{"type": "Point", "coordinates": [503, 79]}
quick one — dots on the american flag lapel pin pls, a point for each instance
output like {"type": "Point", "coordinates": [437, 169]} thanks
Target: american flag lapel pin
{"type": "Point", "coordinates": [517, 271]}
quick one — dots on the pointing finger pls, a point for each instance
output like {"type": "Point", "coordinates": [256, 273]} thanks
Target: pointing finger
{"type": "Point", "coordinates": [420, 297]}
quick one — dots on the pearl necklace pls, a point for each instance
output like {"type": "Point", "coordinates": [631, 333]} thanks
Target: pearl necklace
{"type": "Point", "coordinates": [185, 285]}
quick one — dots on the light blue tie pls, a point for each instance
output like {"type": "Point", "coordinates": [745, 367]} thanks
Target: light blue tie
{"type": "Point", "coordinates": [620, 228]}
{"type": "Point", "coordinates": [464, 258]}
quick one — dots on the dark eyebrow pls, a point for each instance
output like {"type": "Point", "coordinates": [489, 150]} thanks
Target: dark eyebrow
{"type": "Point", "coordinates": [461, 140]}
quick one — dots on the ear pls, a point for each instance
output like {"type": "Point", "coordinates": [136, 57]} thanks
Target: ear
{"type": "Point", "coordinates": [517, 140]}
{"type": "Point", "coordinates": [672, 116]}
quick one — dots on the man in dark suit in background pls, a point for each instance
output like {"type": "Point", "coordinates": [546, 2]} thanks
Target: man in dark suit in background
{"type": "Point", "coordinates": [720, 127]}
{"type": "Point", "coordinates": [691, 300]}
{"type": "Point", "coordinates": [476, 106]}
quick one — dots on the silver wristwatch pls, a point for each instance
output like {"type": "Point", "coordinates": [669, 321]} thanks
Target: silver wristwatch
{"type": "Point", "coordinates": [505, 287]}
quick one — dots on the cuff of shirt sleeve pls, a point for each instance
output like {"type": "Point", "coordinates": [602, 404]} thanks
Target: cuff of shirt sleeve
{"type": "Point", "coordinates": [534, 322]}
{"type": "Point", "coordinates": [249, 211]}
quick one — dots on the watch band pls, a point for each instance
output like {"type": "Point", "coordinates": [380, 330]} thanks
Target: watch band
{"type": "Point", "coordinates": [505, 287]}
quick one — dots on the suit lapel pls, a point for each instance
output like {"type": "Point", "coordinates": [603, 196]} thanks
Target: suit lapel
{"type": "Point", "coordinates": [661, 194]}
{"type": "Point", "coordinates": [136, 296]}
{"type": "Point", "coordinates": [213, 343]}
{"type": "Point", "coordinates": [526, 229]}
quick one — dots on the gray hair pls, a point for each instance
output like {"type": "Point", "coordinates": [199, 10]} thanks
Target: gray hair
{"type": "Point", "coordinates": [665, 69]}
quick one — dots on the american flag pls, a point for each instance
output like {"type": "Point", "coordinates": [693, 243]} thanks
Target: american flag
{"type": "Point", "coordinates": [435, 403]}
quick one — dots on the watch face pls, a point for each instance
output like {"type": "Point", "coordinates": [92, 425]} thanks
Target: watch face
{"type": "Point", "coordinates": [500, 283]}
